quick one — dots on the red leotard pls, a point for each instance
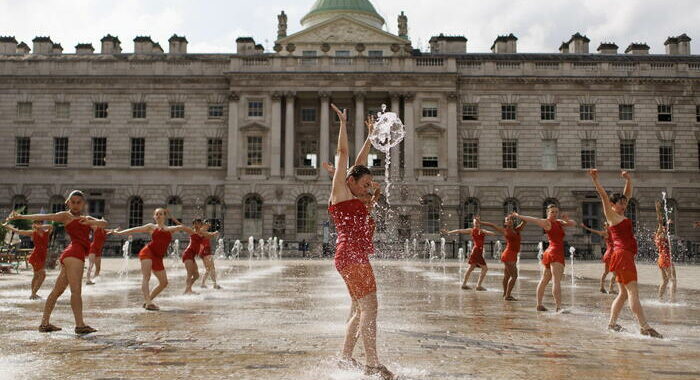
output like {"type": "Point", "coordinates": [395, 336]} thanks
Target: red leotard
{"type": "Point", "coordinates": [79, 241]}
{"type": "Point", "coordinates": [608, 247]}
{"type": "Point", "coordinates": [624, 250]}
{"type": "Point", "coordinates": [41, 244]}
{"type": "Point", "coordinates": [353, 245]}
{"type": "Point", "coordinates": [205, 249]}
{"type": "Point", "coordinates": [664, 260]}
{"type": "Point", "coordinates": [98, 241]}
{"type": "Point", "coordinates": [193, 248]}
{"type": "Point", "coordinates": [477, 255]}
{"type": "Point", "coordinates": [555, 251]}
{"type": "Point", "coordinates": [156, 249]}
{"type": "Point", "coordinates": [510, 254]}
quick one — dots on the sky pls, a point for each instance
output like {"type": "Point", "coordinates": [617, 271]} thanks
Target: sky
{"type": "Point", "coordinates": [212, 26]}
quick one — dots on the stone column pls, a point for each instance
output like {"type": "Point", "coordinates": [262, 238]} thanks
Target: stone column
{"type": "Point", "coordinates": [452, 136]}
{"type": "Point", "coordinates": [409, 139]}
{"type": "Point", "coordinates": [324, 144]}
{"type": "Point", "coordinates": [276, 135]}
{"type": "Point", "coordinates": [359, 122]}
{"type": "Point", "coordinates": [395, 169]}
{"type": "Point", "coordinates": [233, 143]}
{"type": "Point", "coordinates": [289, 137]}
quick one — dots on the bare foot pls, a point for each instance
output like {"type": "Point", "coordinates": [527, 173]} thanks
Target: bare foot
{"type": "Point", "coordinates": [602, 290]}
{"type": "Point", "coordinates": [89, 283]}
{"type": "Point", "coordinates": [190, 292]}
{"type": "Point", "coordinates": [510, 298]}
{"type": "Point", "coordinates": [651, 332]}
{"type": "Point", "coordinates": [381, 370]}
{"type": "Point", "coordinates": [217, 287]}
{"type": "Point", "coordinates": [541, 308]}
{"type": "Point", "coordinates": [34, 297]}
{"type": "Point", "coordinates": [465, 287]}
{"type": "Point", "coordinates": [480, 288]}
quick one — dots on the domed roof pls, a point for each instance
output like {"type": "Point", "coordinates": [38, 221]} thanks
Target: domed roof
{"type": "Point", "coordinates": [325, 9]}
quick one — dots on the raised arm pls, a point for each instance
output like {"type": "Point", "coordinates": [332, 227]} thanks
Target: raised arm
{"type": "Point", "coordinates": [599, 233]}
{"type": "Point", "coordinates": [146, 228]}
{"type": "Point", "coordinates": [339, 190]}
{"type": "Point", "coordinates": [61, 217]}
{"type": "Point", "coordinates": [465, 231]}
{"type": "Point", "coordinates": [627, 191]}
{"type": "Point", "coordinates": [363, 155]}
{"type": "Point", "coordinates": [543, 223]}
{"type": "Point", "coordinates": [19, 232]}
{"type": "Point", "coordinates": [609, 213]}
{"type": "Point", "coordinates": [500, 230]}
{"type": "Point", "coordinates": [521, 226]}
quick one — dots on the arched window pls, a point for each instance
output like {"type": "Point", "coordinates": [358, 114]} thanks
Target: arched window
{"type": "Point", "coordinates": [174, 205]}
{"type": "Point", "coordinates": [471, 209]}
{"type": "Point", "coordinates": [56, 204]}
{"type": "Point", "coordinates": [511, 205]}
{"type": "Point", "coordinates": [670, 212]}
{"type": "Point", "coordinates": [431, 214]}
{"type": "Point", "coordinates": [20, 204]}
{"type": "Point", "coordinates": [214, 213]}
{"type": "Point", "coordinates": [631, 211]}
{"type": "Point", "coordinates": [135, 212]}
{"type": "Point", "coordinates": [252, 215]}
{"type": "Point", "coordinates": [546, 203]}
{"type": "Point", "coordinates": [306, 215]}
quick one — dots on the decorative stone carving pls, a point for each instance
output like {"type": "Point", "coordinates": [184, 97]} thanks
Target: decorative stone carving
{"type": "Point", "coordinates": [325, 47]}
{"type": "Point", "coordinates": [234, 96]}
{"type": "Point", "coordinates": [403, 25]}
{"type": "Point", "coordinates": [324, 94]}
{"type": "Point", "coordinates": [282, 25]}
{"type": "Point", "coordinates": [395, 48]}
{"type": "Point", "coordinates": [278, 48]}
{"type": "Point", "coordinates": [360, 47]}
{"type": "Point", "coordinates": [276, 96]}
{"type": "Point", "coordinates": [291, 48]}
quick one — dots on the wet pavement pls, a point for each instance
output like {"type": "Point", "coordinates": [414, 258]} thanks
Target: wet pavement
{"type": "Point", "coordinates": [285, 319]}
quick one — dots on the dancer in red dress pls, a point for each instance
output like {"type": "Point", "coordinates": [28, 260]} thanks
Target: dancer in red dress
{"type": "Point", "coordinates": [72, 259]}
{"type": "Point", "coordinates": [553, 258]}
{"type": "Point", "coordinates": [191, 252]}
{"type": "Point", "coordinates": [605, 234]}
{"type": "Point", "coordinates": [207, 257]}
{"type": "Point", "coordinates": [40, 234]}
{"type": "Point", "coordinates": [624, 251]}
{"type": "Point", "coordinates": [509, 257]}
{"type": "Point", "coordinates": [353, 247]}
{"type": "Point", "coordinates": [151, 256]}
{"type": "Point", "coordinates": [476, 257]}
{"type": "Point", "coordinates": [99, 235]}
{"type": "Point", "coordinates": [668, 270]}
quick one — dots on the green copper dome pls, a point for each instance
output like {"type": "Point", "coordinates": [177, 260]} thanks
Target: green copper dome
{"type": "Point", "coordinates": [361, 8]}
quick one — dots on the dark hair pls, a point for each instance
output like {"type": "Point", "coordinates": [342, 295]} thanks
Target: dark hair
{"type": "Point", "coordinates": [358, 171]}
{"type": "Point", "coordinates": [197, 220]}
{"type": "Point", "coordinates": [617, 197]}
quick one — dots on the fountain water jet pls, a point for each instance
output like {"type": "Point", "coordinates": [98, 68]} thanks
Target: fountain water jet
{"type": "Point", "coordinates": [236, 250]}
{"type": "Point", "coordinates": [126, 248]}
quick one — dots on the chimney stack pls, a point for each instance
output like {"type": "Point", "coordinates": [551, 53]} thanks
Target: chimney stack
{"type": "Point", "coordinates": [245, 46]}
{"type": "Point", "coordinates": [578, 44]}
{"type": "Point", "coordinates": [56, 49]}
{"type": "Point", "coordinates": [23, 48]}
{"type": "Point", "coordinates": [448, 44]}
{"type": "Point", "coordinates": [637, 49]}
{"type": "Point", "coordinates": [564, 48]}
{"type": "Point", "coordinates": [505, 44]}
{"type": "Point", "coordinates": [8, 45]}
{"type": "Point", "coordinates": [143, 45]}
{"type": "Point", "coordinates": [678, 45]}
{"type": "Point", "coordinates": [42, 45]}
{"type": "Point", "coordinates": [84, 49]}
{"type": "Point", "coordinates": [178, 44]}
{"type": "Point", "coordinates": [607, 48]}
{"type": "Point", "coordinates": [111, 45]}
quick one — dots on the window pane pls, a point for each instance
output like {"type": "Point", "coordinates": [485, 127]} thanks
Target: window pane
{"type": "Point", "coordinates": [627, 154]}
{"type": "Point", "coordinates": [175, 209]}
{"type": "Point", "coordinates": [430, 148]}
{"type": "Point", "coordinates": [177, 110]}
{"type": "Point", "coordinates": [135, 212]}
{"type": "Point", "coordinates": [255, 108]}
{"type": "Point", "coordinates": [549, 154]}
{"type": "Point", "coordinates": [215, 152]}
{"type": "Point", "coordinates": [626, 112]}
{"type": "Point", "coordinates": [666, 156]}
{"type": "Point", "coordinates": [100, 110]}
{"type": "Point", "coordinates": [665, 112]}
{"type": "Point", "coordinates": [470, 111]}
{"type": "Point", "coordinates": [510, 154]}
{"type": "Point", "coordinates": [588, 154]}
{"type": "Point", "coordinates": [255, 151]}
{"type": "Point", "coordinates": [62, 110]}
{"type": "Point", "coordinates": [308, 114]}
{"type": "Point", "coordinates": [138, 150]}
{"type": "Point", "coordinates": [24, 110]}
{"type": "Point", "coordinates": [587, 112]}
{"type": "Point", "coordinates": [431, 214]}
{"type": "Point", "coordinates": [306, 215]}
{"type": "Point", "coordinates": [22, 148]}
{"type": "Point", "coordinates": [99, 151]}
{"type": "Point", "coordinates": [509, 111]}
{"type": "Point", "coordinates": [215, 111]}
{"type": "Point", "coordinates": [430, 109]}
{"type": "Point", "coordinates": [176, 152]}
{"type": "Point", "coordinates": [138, 110]}
{"type": "Point", "coordinates": [548, 111]}
{"type": "Point", "coordinates": [470, 153]}
{"type": "Point", "coordinates": [471, 210]}
{"type": "Point", "coordinates": [60, 151]}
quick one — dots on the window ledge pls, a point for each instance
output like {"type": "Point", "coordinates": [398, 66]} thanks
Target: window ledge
{"type": "Point", "coordinates": [509, 122]}
{"type": "Point", "coordinates": [471, 122]}
{"type": "Point", "coordinates": [588, 123]}
{"type": "Point", "coordinates": [99, 121]}
{"type": "Point", "coordinates": [137, 121]}
{"type": "Point", "coordinates": [550, 123]}
{"type": "Point", "coordinates": [66, 121]}
{"type": "Point", "coordinates": [215, 121]}
{"type": "Point", "coordinates": [432, 119]}
{"type": "Point", "coordinates": [665, 124]}
{"type": "Point", "coordinates": [627, 123]}
{"type": "Point", "coordinates": [176, 121]}
{"type": "Point", "coordinates": [24, 121]}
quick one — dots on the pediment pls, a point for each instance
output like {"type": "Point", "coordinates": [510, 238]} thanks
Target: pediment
{"type": "Point", "coordinates": [429, 128]}
{"type": "Point", "coordinates": [254, 127]}
{"type": "Point", "coordinates": [342, 29]}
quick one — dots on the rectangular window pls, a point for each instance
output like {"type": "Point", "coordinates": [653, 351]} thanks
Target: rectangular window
{"type": "Point", "coordinates": [430, 152]}
{"type": "Point", "coordinates": [255, 151]}
{"type": "Point", "coordinates": [697, 114]}
{"type": "Point", "coordinates": [100, 110]}
{"type": "Point", "coordinates": [215, 111]}
{"type": "Point", "coordinates": [510, 154]}
{"type": "Point", "coordinates": [309, 57]}
{"type": "Point", "coordinates": [376, 57]}
{"type": "Point", "coordinates": [509, 111]}
{"type": "Point", "coordinates": [62, 110]}
{"type": "Point", "coordinates": [138, 110]}
{"type": "Point", "coordinates": [665, 112]}
{"type": "Point", "coordinates": [666, 155]}
{"type": "Point", "coordinates": [99, 151]}
{"type": "Point", "coordinates": [176, 147]}
{"type": "Point", "coordinates": [96, 208]}
{"type": "Point", "coordinates": [626, 112]}
{"type": "Point", "coordinates": [627, 154]}
{"type": "Point", "coordinates": [215, 153]}
{"type": "Point", "coordinates": [587, 112]}
{"type": "Point", "coordinates": [470, 153]}
{"type": "Point", "coordinates": [308, 149]}
{"type": "Point", "coordinates": [177, 110]}
{"type": "Point", "coordinates": [24, 110]}
{"type": "Point", "coordinates": [548, 111]}
{"type": "Point", "coordinates": [22, 145]}
{"type": "Point", "coordinates": [430, 110]}
{"type": "Point", "coordinates": [60, 151]}
{"type": "Point", "coordinates": [549, 154]}
{"type": "Point", "coordinates": [138, 151]}
{"type": "Point", "coordinates": [342, 57]}
{"type": "Point", "coordinates": [588, 154]}
{"type": "Point", "coordinates": [308, 115]}
{"type": "Point", "coordinates": [255, 108]}
{"type": "Point", "coordinates": [470, 111]}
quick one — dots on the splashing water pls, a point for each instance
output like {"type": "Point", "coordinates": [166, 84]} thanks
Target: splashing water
{"type": "Point", "coordinates": [415, 248]}
{"type": "Point", "coordinates": [470, 247]}
{"type": "Point", "coordinates": [572, 251]}
{"type": "Point", "coordinates": [126, 249]}
{"type": "Point", "coordinates": [261, 249]}
{"type": "Point", "coordinates": [431, 252]}
{"type": "Point", "coordinates": [460, 254]}
{"type": "Point", "coordinates": [667, 213]}
{"type": "Point", "coordinates": [279, 253]}
{"type": "Point", "coordinates": [443, 254]}
{"type": "Point", "coordinates": [176, 248]}
{"type": "Point", "coordinates": [407, 249]}
{"type": "Point", "coordinates": [388, 132]}
{"type": "Point", "coordinates": [498, 248]}
{"type": "Point", "coordinates": [251, 247]}
{"type": "Point", "coordinates": [236, 250]}
{"type": "Point", "coordinates": [219, 252]}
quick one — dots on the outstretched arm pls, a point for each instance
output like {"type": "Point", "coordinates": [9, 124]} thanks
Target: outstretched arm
{"type": "Point", "coordinates": [487, 232]}
{"type": "Point", "coordinates": [543, 223]}
{"type": "Point", "coordinates": [566, 221]}
{"type": "Point", "coordinates": [466, 231]}
{"type": "Point", "coordinates": [147, 228]}
{"type": "Point", "coordinates": [599, 233]}
{"type": "Point", "coordinates": [495, 227]}
{"type": "Point", "coordinates": [521, 226]}
{"type": "Point", "coordinates": [609, 213]}
{"type": "Point", "coordinates": [363, 155]}
{"type": "Point", "coordinates": [60, 217]}
{"type": "Point", "coordinates": [19, 232]}
{"type": "Point", "coordinates": [93, 222]}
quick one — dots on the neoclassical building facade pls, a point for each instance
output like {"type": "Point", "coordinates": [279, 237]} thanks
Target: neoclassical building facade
{"type": "Point", "coordinates": [239, 137]}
